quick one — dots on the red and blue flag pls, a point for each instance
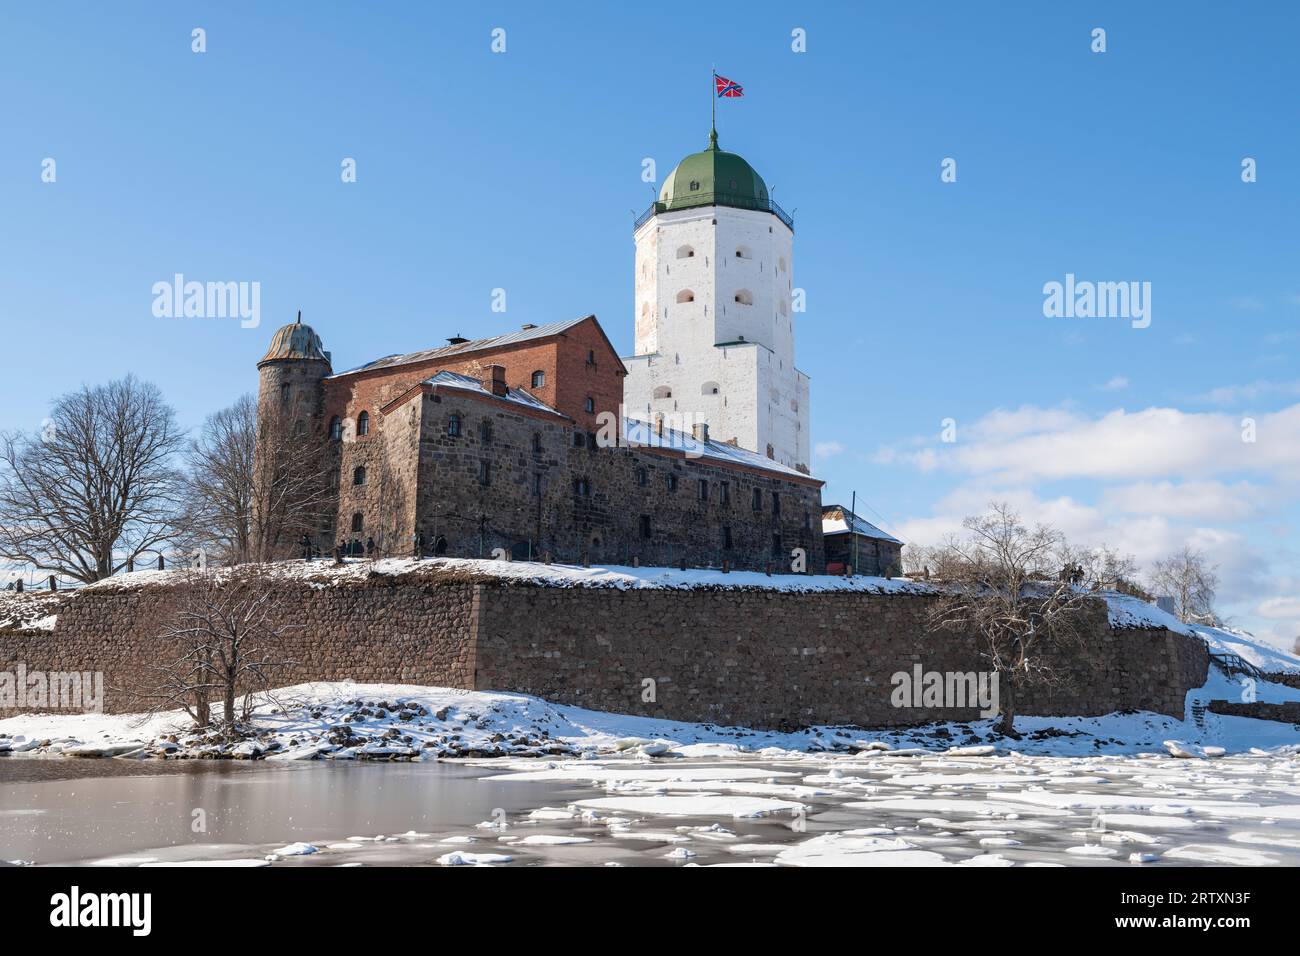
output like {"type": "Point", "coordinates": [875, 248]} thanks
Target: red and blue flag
{"type": "Point", "coordinates": [728, 88]}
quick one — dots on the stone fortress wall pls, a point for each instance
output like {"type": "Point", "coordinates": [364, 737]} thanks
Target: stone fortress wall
{"type": "Point", "coordinates": [759, 657]}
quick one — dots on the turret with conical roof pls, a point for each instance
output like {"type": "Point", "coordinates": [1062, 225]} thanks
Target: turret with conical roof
{"type": "Point", "coordinates": [291, 438]}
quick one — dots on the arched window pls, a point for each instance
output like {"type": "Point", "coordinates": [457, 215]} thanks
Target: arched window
{"type": "Point", "coordinates": [663, 391]}
{"type": "Point", "coordinates": [686, 295]}
{"type": "Point", "coordinates": [359, 475]}
{"type": "Point", "coordinates": [453, 426]}
{"type": "Point", "coordinates": [363, 423]}
{"type": "Point", "coordinates": [537, 443]}
{"type": "Point", "coordinates": [672, 481]}
{"type": "Point", "coordinates": [590, 404]}
{"type": "Point", "coordinates": [744, 297]}
{"type": "Point", "coordinates": [539, 378]}
{"type": "Point", "coordinates": [336, 428]}
{"type": "Point", "coordinates": [685, 252]}
{"type": "Point", "coordinates": [356, 522]}
{"type": "Point", "coordinates": [709, 388]}
{"type": "Point", "coordinates": [642, 477]}
{"type": "Point", "coordinates": [485, 431]}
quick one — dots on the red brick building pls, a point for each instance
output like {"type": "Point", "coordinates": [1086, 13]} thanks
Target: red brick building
{"type": "Point", "coordinates": [517, 443]}
{"type": "Point", "coordinates": [571, 366]}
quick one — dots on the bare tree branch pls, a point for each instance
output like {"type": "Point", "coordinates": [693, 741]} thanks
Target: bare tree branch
{"type": "Point", "coordinates": [228, 638]}
{"type": "Point", "coordinates": [1018, 590]}
{"type": "Point", "coordinates": [96, 488]}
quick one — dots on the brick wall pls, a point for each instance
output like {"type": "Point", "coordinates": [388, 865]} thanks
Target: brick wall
{"type": "Point", "coordinates": [386, 630]}
{"type": "Point", "coordinates": [753, 657]}
{"type": "Point", "coordinates": [767, 659]}
{"type": "Point", "coordinates": [1287, 712]}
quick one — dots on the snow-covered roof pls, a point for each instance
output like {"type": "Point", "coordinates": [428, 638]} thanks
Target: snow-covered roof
{"type": "Point", "coordinates": [836, 519]}
{"type": "Point", "coordinates": [639, 433]}
{"type": "Point", "coordinates": [473, 345]}
{"type": "Point", "coordinates": [448, 379]}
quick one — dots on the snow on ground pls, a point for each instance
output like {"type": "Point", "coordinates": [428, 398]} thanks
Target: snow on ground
{"type": "Point", "coordinates": [325, 572]}
{"type": "Point", "coordinates": [346, 720]}
{"type": "Point", "coordinates": [1129, 611]}
{"type": "Point", "coordinates": [30, 610]}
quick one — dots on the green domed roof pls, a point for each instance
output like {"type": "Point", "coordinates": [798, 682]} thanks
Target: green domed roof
{"type": "Point", "coordinates": [295, 341]}
{"type": "Point", "coordinates": [714, 177]}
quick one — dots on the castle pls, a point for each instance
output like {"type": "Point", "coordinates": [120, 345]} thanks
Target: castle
{"type": "Point", "coordinates": [544, 441]}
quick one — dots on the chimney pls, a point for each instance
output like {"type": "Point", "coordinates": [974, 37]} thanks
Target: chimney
{"type": "Point", "coordinates": [456, 340]}
{"type": "Point", "coordinates": [701, 431]}
{"type": "Point", "coordinates": [528, 326]}
{"type": "Point", "coordinates": [494, 379]}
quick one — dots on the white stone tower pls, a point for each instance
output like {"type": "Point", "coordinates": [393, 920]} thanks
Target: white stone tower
{"type": "Point", "coordinates": [714, 324]}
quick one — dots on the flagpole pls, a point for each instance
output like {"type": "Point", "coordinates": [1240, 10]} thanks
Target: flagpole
{"type": "Point", "coordinates": [713, 99]}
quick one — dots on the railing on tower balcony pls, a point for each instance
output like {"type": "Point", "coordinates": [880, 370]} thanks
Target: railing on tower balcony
{"type": "Point", "coordinates": [714, 199]}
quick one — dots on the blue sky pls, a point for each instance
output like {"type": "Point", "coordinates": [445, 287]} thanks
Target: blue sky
{"type": "Point", "coordinates": [522, 170]}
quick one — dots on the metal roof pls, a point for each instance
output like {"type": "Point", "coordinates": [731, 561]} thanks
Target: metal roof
{"type": "Point", "coordinates": [469, 383]}
{"type": "Point", "coordinates": [474, 345]}
{"type": "Point", "coordinates": [836, 519]}
{"type": "Point", "coordinates": [637, 432]}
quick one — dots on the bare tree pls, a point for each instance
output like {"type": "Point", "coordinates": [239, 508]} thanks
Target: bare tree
{"type": "Point", "coordinates": [96, 487]}
{"type": "Point", "coordinates": [229, 640]}
{"type": "Point", "coordinates": [219, 484]}
{"type": "Point", "coordinates": [1107, 569]}
{"type": "Point", "coordinates": [1016, 591]}
{"type": "Point", "coordinates": [1191, 581]}
{"type": "Point", "coordinates": [295, 488]}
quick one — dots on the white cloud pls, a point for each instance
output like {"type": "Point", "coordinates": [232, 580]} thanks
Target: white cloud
{"type": "Point", "coordinates": [827, 449]}
{"type": "Point", "coordinates": [1230, 395]}
{"type": "Point", "coordinates": [1146, 482]}
{"type": "Point", "coordinates": [1283, 608]}
{"type": "Point", "coordinates": [1116, 384]}
{"type": "Point", "coordinates": [1212, 500]}
{"type": "Point", "coordinates": [1032, 444]}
